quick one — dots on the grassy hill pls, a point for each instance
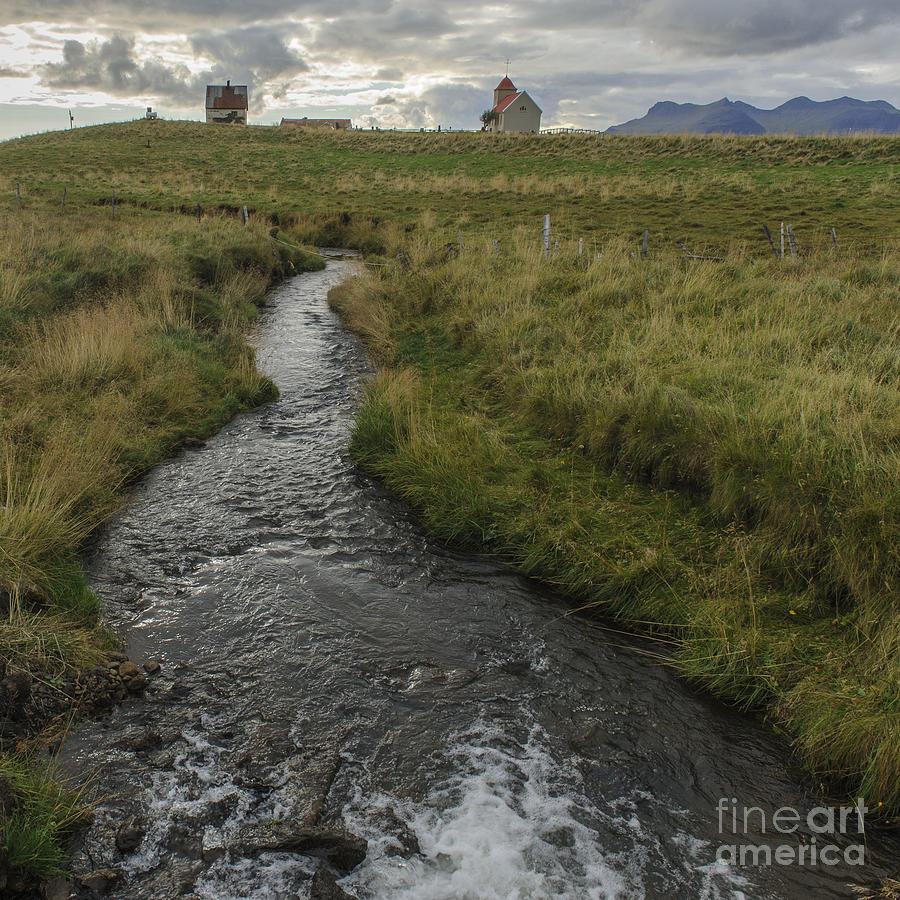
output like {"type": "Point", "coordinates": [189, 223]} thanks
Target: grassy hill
{"type": "Point", "coordinates": [704, 190]}
{"type": "Point", "coordinates": [707, 450]}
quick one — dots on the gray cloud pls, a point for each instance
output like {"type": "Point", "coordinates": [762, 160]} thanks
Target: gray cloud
{"type": "Point", "coordinates": [763, 27]}
{"type": "Point", "coordinates": [374, 36]}
{"type": "Point", "coordinates": [387, 100]}
{"type": "Point", "coordinates": [6, 72]}
{"type": "Point", "coordinates": [451, 105]}
{"type": "Point", "coordinates": [252, 55]}
{"type": "Point", "coordinates": [709, 26]}
{"type": "Point", "coordinates": [714, 27]}
{"type": "Point", "coordinates": [162, 15]}
{"type": "Point", "coordinates": [389, 75]}
{"type": "Point", "coordinates": [260, 51]}
{"type": "Point", "coordinates": [110, 66]}
{"type": "Point", "coordinates": [166, 16]}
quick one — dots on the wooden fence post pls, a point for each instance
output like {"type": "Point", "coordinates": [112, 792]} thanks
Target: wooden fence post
{"type": "Point", "coordinates": [791, 241]}
{"type": "Point", "coordinates": [461, 245]}
{"type": "Point", "coordinates": [112, 213]}
{"type": "Point", "coordinates": [199, 212]}
{"type": "Point", "coordinates": [64, 200]}
{"type": "Point", "coordinates": [18, 196]}
{"type": "Point", "coordinates": [644, 243]}
{"type": "Point", "coordinates": [581, 246]}
{"type": "Point", "coordinates": [782, 240]}
{"type": "Point", "coordinates": [834, 238]}
{"type": "Point", "coordinates": [771, 242]}
{"type": "Point", "coordinates": [547, 236]}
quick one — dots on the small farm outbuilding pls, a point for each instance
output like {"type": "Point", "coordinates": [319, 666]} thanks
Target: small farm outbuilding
{"type": "Point", "coordinates": [227, 103]}
{"type": "Point", "coordinates": [334, 124]}
{"type": "Point", "coordinates": [514, 111]}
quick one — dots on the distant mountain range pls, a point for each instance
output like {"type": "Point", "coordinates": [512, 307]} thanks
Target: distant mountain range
{"type": "Point", "coordinates": [798, 116]}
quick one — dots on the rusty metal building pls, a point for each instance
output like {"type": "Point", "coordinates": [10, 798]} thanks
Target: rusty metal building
{"type": "Point", "coordinates": [227, 103]}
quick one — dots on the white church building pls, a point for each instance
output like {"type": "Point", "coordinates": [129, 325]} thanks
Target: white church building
{"type": "Point", "coordinates": [514, 111]}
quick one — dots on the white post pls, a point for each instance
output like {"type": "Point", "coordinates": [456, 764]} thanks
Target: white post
{"type": "Point", "coordinates": [581, 246]}
{"type": "Point", "coordinates": [547, 236]}
{"type": "Point", "coordinates": [782, 240]}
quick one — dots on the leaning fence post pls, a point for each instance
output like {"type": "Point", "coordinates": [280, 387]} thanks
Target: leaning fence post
{"type": "Point", "coordinates": [771, 242]}
{"type": "Point", "coordinates": [644, 243]}
{"type": "Point", "coordinates": [834, 237]}
{"type": "Point", "coordinates": [547, 236]}
{"type": "Point", "coordinates": [245, 216]}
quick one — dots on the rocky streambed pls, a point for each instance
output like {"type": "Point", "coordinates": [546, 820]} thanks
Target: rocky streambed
{"type": "Point", "coordinates": [31, 706]}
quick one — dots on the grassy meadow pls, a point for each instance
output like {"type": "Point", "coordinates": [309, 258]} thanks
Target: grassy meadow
{"type": "Point", "coordinates": [707, 191]}
{"type": "Point", "coordinates": [706, 451]}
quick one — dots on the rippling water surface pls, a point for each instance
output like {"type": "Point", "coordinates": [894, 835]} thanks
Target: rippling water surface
{"type": "Point", "coordinates": [312, 634]}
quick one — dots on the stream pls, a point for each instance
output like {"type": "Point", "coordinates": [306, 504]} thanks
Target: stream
{"type": "Point", "coordinates": [324, 659]}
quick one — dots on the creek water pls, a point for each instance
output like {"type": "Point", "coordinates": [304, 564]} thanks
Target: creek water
{"type": "Point", "coordinates": [482, 742]}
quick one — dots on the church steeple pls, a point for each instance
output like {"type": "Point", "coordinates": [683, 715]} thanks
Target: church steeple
{"type": "Point", "coordinates": [503, 90]}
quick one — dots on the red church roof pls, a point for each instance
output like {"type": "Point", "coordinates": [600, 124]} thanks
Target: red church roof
{"type": "Point", "coordinates": [507, 101]}
{"type": "Point", "coordinates": [505, 85]}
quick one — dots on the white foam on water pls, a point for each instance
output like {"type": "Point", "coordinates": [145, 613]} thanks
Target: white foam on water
{"type": "Point", "coordinates": [508, 820]}
{"type": "Point", "coordinates": [716, 878]}
{"type": "Point", "coordinates": [511, 821]}
{"type": "Point", "coordinates": [271, 876]}
{"type": "Point", "coordinates": [510, 826]}
{"type": "Point", "coordinates": [195, 788]}
{"type": "Point", "coordinates": [181, 796]}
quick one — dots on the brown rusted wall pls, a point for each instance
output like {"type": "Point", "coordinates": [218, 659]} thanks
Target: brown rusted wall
{"type": "Point", "coordinates": [227, 96]}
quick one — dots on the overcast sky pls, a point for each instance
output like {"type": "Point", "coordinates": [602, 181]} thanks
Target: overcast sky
{"type": "Point", "coordinates": [587, 63]}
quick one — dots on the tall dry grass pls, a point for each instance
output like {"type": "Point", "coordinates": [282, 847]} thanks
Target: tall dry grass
{"type": "Point", "coordinates": [117, 339]}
